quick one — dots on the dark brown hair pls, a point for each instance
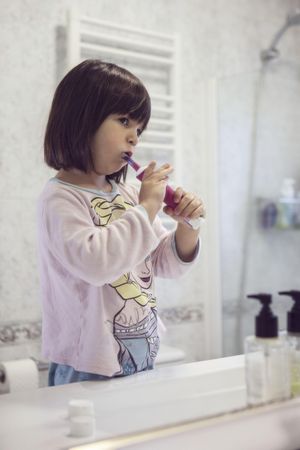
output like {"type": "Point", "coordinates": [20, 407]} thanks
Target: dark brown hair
{"type": "Point", "coordinates": [84, 98]}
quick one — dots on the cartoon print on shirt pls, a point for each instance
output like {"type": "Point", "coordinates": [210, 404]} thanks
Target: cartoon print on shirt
{"type": "Point", "coordinates": [105, 211]}
{"type": "Point", "coordinates": [135, 324]}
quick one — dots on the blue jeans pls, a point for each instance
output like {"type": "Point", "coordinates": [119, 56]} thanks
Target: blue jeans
{"type": "Point", "coordinates": [63, 374]}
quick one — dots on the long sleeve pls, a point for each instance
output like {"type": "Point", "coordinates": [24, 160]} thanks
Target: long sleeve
{"type": "Point", "coordinates": [97, 255]}
{"type": "Point", "coordinates": [166, 261]}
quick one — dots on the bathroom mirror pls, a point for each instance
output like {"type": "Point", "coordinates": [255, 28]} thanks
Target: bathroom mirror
{"type": "Point", "coordinates": [257, 138]}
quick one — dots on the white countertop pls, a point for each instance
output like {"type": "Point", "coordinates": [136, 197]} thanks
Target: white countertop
{"type": "Point", "coordinates": [270, 427]}
{"type": "Point", "coordinates": [37, 419]}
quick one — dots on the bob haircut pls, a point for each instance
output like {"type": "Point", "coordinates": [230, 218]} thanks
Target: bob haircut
{"type": "Point", "coordinates": [84, 98]}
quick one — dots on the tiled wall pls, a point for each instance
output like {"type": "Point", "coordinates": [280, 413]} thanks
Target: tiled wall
{"type": "Point", "coordinates": [220, 38]}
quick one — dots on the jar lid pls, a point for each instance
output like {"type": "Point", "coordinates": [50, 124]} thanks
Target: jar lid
{"type": "Point", "coordinates": [81, 407]}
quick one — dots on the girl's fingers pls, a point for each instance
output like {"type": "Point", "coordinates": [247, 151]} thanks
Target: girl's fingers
{"type": "Point", "coordinates": [184, 203]}
{"type": "Point", "coordinates": [191, 207]}
{"type": "Point", "coordinates": [148, 172]}
{"type": "Point", "coordinates": [150, 168]}
{"type": "Point", "coordinates": [178, 194]}
{"type": "Point", "coordinates": [202, 212]}
{"type": "Point", "coordinates": [160, 174]}
{"type": "Point", "coordinates": [198, 212]}
{"type": "Point", "coordinates": [188, 206]}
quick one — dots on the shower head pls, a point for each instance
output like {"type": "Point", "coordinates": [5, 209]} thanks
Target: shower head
{"type": "Point", "coordinates": [269, 54]}
{"type": "Point", "coordinates": [293, 18]}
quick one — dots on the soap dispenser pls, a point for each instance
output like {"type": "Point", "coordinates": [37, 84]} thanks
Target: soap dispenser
{"type": "Point", "coordinates": [292, 337]}
{"type": "Point", "coordinates": [266, 358]}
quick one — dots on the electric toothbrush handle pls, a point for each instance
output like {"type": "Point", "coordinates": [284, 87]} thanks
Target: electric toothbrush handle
{"type": "Point", "coordinates": [169, 197]}
{"type": "Point", "coordinates": [169, 201]}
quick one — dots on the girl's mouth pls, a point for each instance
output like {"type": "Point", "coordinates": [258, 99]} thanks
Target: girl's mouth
{"type": "Point", "coordinates": [126, 155]}
{"type": "Point", "coordinates": [145, 279]}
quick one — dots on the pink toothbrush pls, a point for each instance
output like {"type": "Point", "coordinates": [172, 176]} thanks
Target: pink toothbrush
{"type": "Point", "coordinates": [169, 196]}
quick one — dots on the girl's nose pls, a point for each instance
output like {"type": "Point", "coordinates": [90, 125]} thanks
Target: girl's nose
{"type": "Point", "coordinates": [133, 139]}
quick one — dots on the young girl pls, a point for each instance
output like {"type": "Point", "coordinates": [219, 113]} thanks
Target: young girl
{"type": "Point", "coordinates": [100, 241]}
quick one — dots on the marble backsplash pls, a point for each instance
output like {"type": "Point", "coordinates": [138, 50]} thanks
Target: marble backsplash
{"type": "Point", "coordinates": [23, 339]}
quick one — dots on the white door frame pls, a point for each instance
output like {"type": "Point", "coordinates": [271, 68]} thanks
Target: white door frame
{"type": "Point", "coordinates": [212, 304]}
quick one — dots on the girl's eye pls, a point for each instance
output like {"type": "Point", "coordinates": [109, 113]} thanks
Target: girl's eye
{"type": "Point", "coordinates": [124, 121]}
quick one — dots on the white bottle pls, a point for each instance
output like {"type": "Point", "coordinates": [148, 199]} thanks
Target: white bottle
{"type": "Point", "coordinates": [292, 336]}
{"type": "Point", "coordinates": [287, 204]}
{"type": "Point", "coordinates": [266, 358]}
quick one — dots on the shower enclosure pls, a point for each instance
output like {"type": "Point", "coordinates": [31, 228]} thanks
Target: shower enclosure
{"type": "Point", "coordinates": [259, 139]}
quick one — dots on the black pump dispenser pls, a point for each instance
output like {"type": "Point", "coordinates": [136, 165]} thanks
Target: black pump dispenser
{"type": "Point", "coordinates": [266, 323]}
{"type": "Point", "coordinates": [293, 316]}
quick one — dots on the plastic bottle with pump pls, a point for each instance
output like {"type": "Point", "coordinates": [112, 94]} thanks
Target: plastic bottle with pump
{"type": "Point", "coordinates": [266, 358]}
{"type": "Point", "coordinates": [292, 336]}
{"type": "Point", "coordinates": [287, 204]}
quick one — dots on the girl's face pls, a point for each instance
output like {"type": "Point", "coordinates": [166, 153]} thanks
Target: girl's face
{"type": "Point", "coordinates": [117, 136]}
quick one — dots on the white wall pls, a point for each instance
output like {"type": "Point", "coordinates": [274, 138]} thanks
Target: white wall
{"type": "Point", "coordinates": [272, 256]}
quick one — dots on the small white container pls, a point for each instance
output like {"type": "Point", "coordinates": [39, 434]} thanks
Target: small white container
{"type": "Point", "coordinates": [82, 426]}
{"type": "Point", "coordinates": [81, 407]}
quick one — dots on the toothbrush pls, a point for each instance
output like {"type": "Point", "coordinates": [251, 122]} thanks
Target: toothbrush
{"type": "Point", "coordinates": [169, 195]}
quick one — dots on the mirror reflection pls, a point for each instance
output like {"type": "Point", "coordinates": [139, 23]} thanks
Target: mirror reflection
{"type": "Point", "coordinates": [224, 134]}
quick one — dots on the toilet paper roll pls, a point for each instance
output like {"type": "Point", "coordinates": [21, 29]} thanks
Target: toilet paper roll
{"type": "Point", "coordinates": [18, 376]}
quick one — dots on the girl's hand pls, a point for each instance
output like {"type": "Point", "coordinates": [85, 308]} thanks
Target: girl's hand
{"type": "Point", "coordinates": [153, 188]}
{"type": "Point", "coordinates": [188, 206]}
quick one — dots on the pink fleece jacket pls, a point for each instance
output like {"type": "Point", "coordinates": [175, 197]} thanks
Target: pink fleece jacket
{"type": "Point", "coordinates": [98, 255]}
